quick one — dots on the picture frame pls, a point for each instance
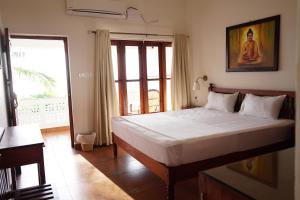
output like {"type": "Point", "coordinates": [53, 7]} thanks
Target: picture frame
{"type": "Point", "coordinates": [253, 46]}
{"type": "Point", "coordinates": [261, 168]}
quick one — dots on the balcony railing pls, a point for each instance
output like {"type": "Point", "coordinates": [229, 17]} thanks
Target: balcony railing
{"type": "Point", "coordinates": [47, 112]}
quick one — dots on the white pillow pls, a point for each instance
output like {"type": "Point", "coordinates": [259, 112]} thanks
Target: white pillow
{"type": "Point", "coordinates": [264, 107]}
{"type": "Point", "coordinates": [222, 102]}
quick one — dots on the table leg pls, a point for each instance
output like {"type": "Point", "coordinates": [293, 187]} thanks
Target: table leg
{"type": "Point", "coordinates": [18, 170]}
{"type": "Point", "coordinates": [13, 178]}
{"type": "Point", "coordinates": [170, 184]}
{"type": "Point", "coordinates": [115, 150]}
{"type": "Point", "coordinates": [170, 192]}
{"type": "Point", "coordinates": [41, 170]}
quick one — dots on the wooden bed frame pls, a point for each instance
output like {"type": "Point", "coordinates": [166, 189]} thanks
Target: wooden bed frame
{"type": "Point", "coordinates": [172, 175]}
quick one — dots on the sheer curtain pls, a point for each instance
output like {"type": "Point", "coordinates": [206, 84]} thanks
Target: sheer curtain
{"type": "Point", "coordinates": [180, 88]}
{"type": "Point", "coordinates": [106, 103]}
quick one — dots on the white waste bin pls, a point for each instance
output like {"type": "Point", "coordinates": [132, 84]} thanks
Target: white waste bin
{"type": "Point", "coordinates": [86, 140]}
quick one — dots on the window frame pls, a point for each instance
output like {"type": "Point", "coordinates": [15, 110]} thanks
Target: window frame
{"type": "Point", "coordinates": [143, 79]}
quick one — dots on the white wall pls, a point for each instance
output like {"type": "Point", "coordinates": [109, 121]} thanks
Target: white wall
{"type": "Point", "coordinates": [297, 154]}
{"type": "Point", "coordinates": [48, 17]}
{"type": "Point", "coordinates": [206, 23]}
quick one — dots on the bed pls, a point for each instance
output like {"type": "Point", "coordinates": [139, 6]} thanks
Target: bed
{"type": "Point", "coordinates": [177, 145]}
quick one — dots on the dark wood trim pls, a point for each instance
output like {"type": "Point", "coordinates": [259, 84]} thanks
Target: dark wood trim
{"type": "Point", "coordinates": [154, 79]}
{"type": "Point", "coordinates": [121, 68]}
{"type": "Point", "coordinates": [143, 79]}
{"type": "Point", "coordinates": [66, 49]}
{"type": "Point", "coordinates": [287, 109]}
{"type": "Point", "coordinates": [136, 42]}
{"type": "Point", "coordinates": [162, 76]}
{"type": "Point", "coordinates": [114, 42]}
{"type": "Point", "coordinates": [252, 91]}
{"type": "Point", "coordinates": [123, 76]}
{"type": "Point", "coordinates": [10, 95]}
{"type": "Point", "coordinates": [36, 37]}
{"type": "Point", "coordinates": [115, 150]}
{"type": "Point", "coordinates": [172, 175]}
{"type": "Point", "coordinates": [65, 39]}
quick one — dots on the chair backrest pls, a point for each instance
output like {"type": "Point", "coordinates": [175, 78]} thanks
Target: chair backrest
{"type": "Point", "coordinates": [4, 184]}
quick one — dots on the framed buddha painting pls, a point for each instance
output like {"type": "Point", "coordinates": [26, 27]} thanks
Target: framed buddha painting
{"type": "Point", "coordinates": [253, 46]}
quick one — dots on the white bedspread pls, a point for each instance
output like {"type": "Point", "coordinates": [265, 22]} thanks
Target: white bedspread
{"type": "Point", "coordinates": [185, 136]}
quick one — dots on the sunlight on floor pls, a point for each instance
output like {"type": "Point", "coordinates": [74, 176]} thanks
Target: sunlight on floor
{"type": "Point", "coordinates": [71, 175]}
{"type": "Point", "coordinates": [97, 175]}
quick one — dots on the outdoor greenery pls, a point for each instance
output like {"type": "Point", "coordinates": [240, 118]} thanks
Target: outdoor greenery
{"type": "Point", "coordinates": [48, 82]}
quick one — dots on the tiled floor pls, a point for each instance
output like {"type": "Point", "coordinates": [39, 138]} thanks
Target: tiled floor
{"type": "Point", "coordinates": [85, 175]}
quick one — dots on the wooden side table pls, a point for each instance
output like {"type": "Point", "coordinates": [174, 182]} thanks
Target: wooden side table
{"type": "Point", "coordinates": [22, 145]}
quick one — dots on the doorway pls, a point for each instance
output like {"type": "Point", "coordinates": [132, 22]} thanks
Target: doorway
{"type": "Point", "coordinates": [41, 82]}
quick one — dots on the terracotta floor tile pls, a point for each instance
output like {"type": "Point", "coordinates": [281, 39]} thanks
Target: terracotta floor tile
{"type": "Point", "coordinates": [96, 175]}
{"type": "Point", "coordinates": [138, 181]}
{"type": "Point", "coordinates": [157, 193]}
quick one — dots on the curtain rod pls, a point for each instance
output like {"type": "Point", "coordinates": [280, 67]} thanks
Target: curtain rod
{"type": "Point", "coordinates": [143, 34]}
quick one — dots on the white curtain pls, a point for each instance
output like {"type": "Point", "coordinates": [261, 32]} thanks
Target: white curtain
{"type": "Point", "coordinates": [106, 103]}
{"type": "Point", "coordinates": [180, 88]}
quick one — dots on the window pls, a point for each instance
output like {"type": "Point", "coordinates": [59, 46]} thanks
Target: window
{"type": "Point", "coordinates": [142, 73]}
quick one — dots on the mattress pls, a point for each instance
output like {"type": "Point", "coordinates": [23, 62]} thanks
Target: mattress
{"type": "Point", "coordinates": [190, 135]}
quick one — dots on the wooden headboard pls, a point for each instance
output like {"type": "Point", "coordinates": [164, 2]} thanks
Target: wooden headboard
{"type": "Point", "coordinates": [288, 107]}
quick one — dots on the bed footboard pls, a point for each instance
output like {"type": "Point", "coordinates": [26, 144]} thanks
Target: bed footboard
{"type": "Point", "coordinates": [172, 175]}
{"type": "Point", "coordinates": [115, 150]}
{"type": "Point", "coordinates": [164, 172]}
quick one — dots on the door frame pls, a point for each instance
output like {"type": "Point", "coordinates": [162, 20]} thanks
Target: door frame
{"type": "Point", "coordinates": [10, 96]}
{"type": "Point", "coordinates": [66, 48]}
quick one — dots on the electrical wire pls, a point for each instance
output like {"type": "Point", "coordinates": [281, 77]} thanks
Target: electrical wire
{"type": "Point", "coordinates": [140, 14]}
